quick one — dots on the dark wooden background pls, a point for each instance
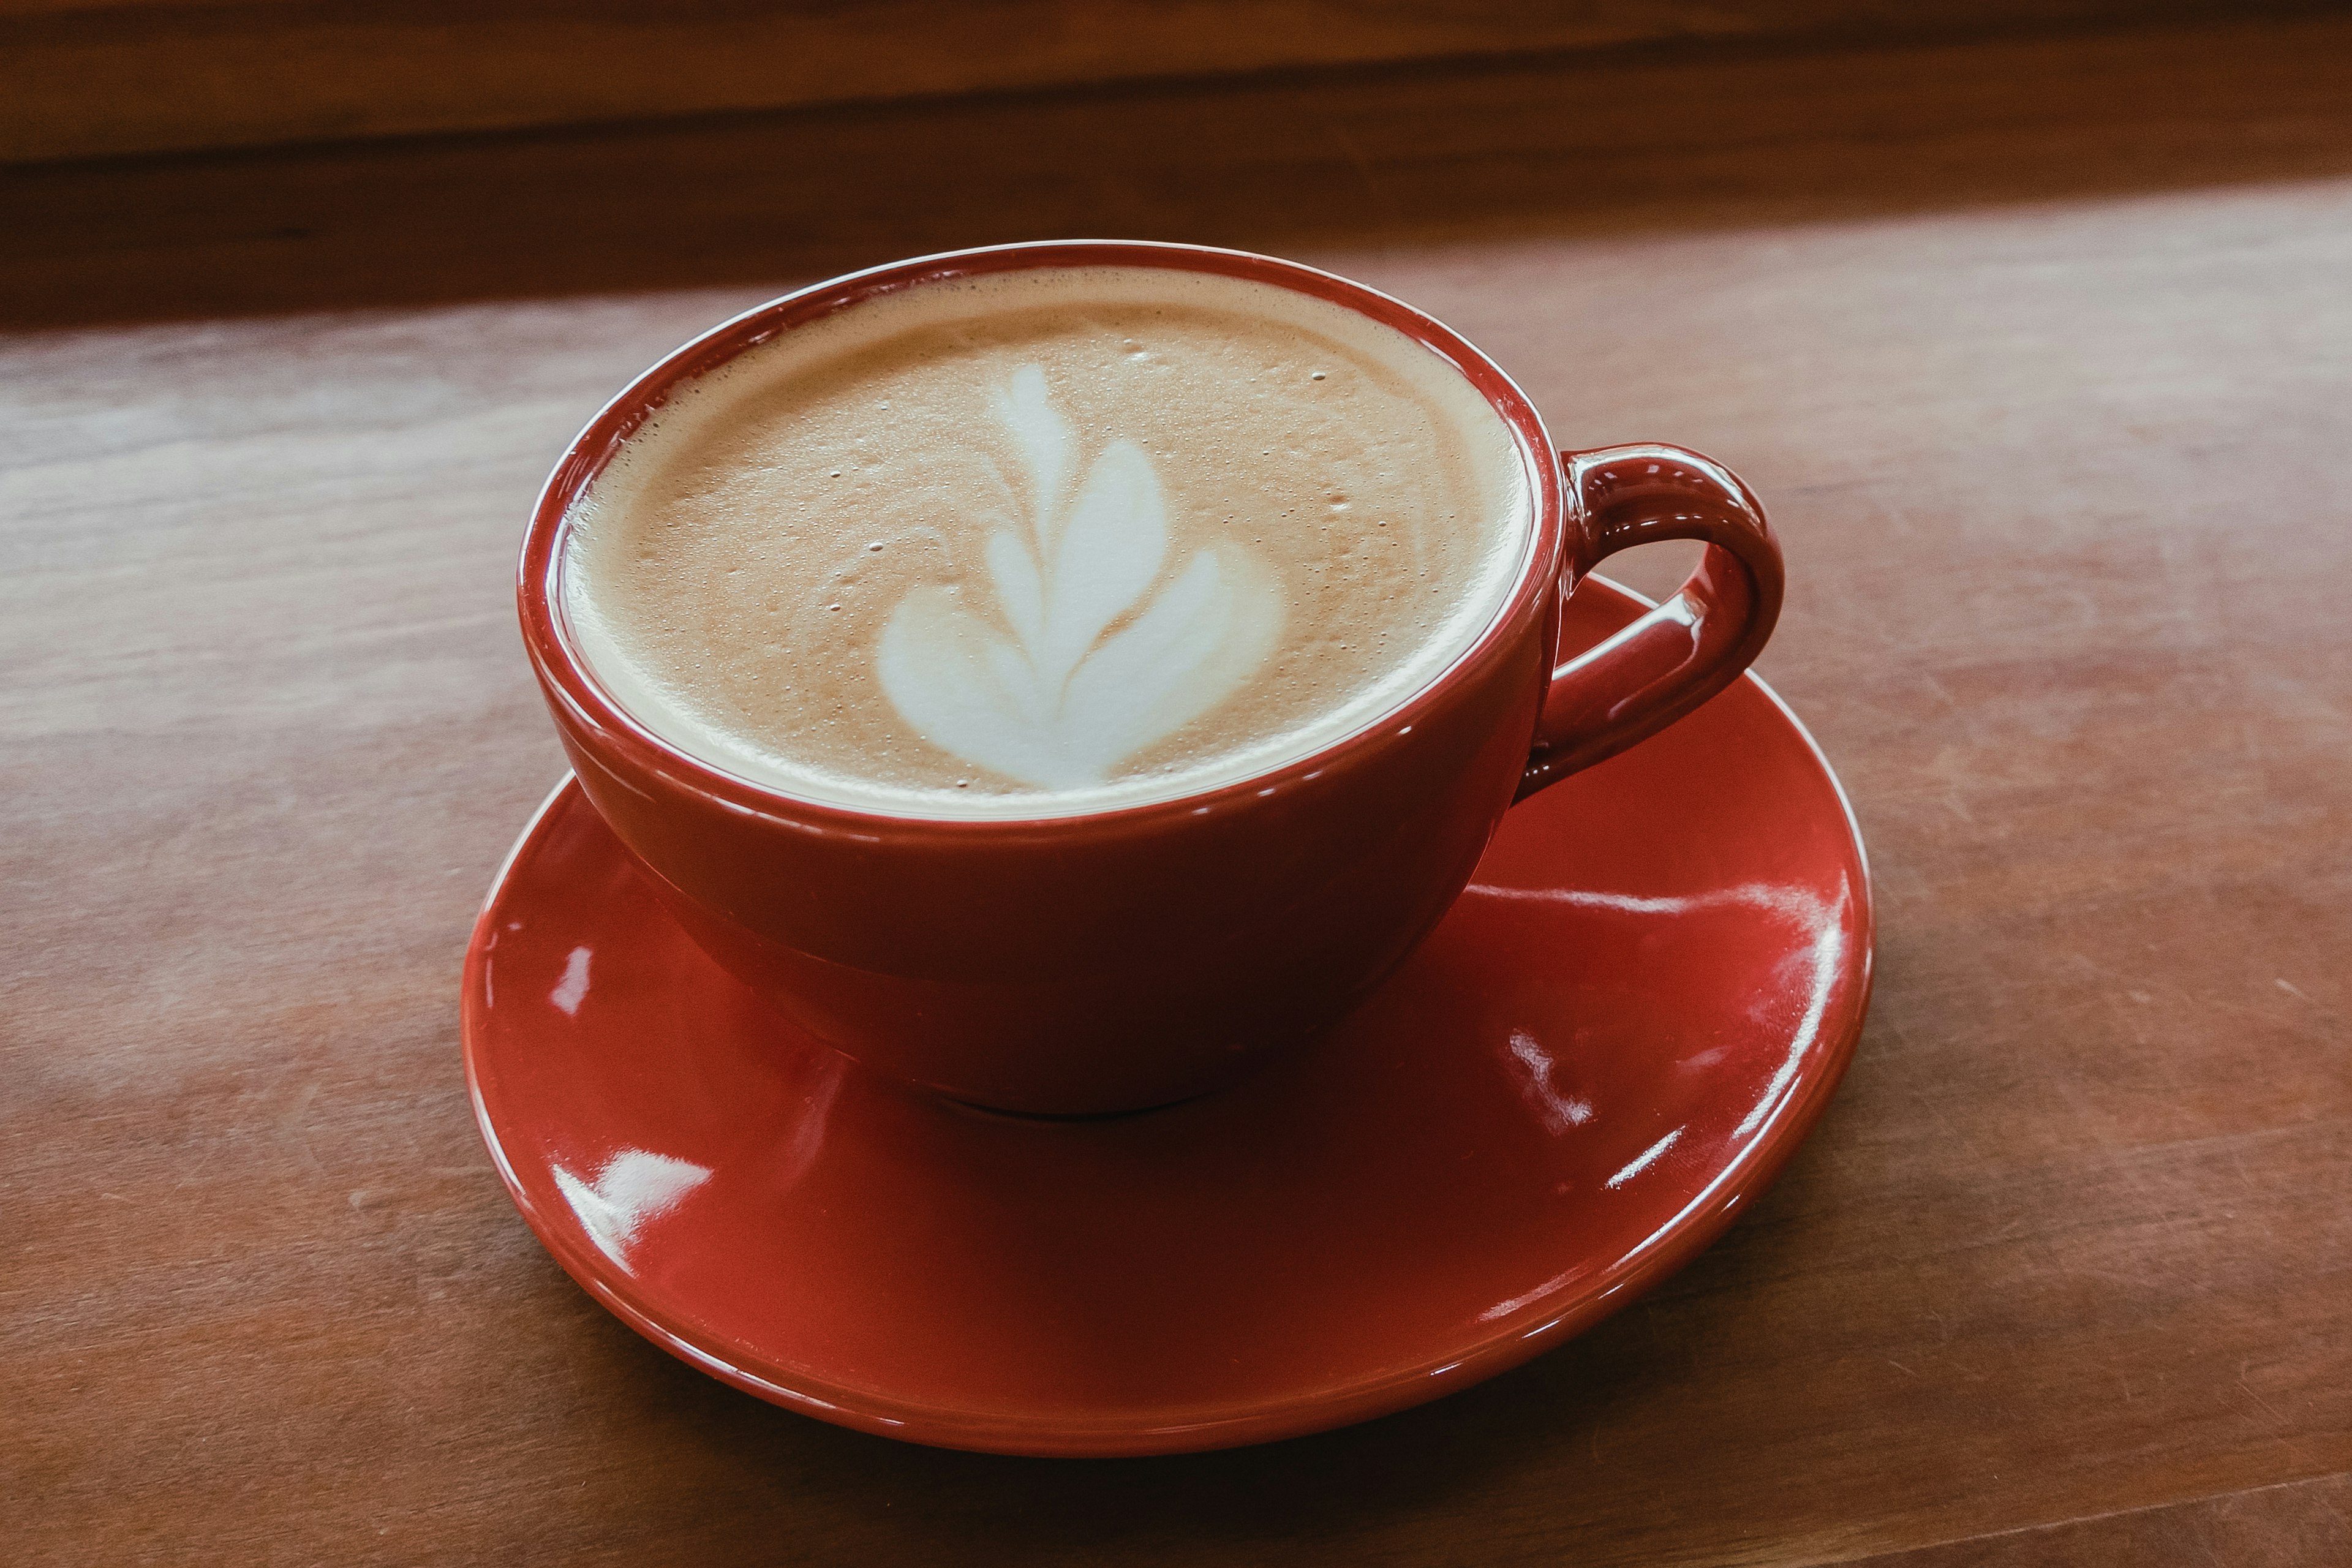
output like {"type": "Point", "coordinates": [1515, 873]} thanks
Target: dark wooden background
{"type": "Point", "coordinates": [81, 79]}
{"type": "Point", "coordinates": [2039, 346]}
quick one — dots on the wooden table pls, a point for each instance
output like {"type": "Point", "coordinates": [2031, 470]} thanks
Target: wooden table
{"type": "Point", "coordinates": [2041, 352]}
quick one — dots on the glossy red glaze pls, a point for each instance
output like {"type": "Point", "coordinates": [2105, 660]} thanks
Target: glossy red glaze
{"type": "Point", "coordinates": [1680, 653]}
{"type": "Point", "coordinates": [1616, 1038]}
{"type": "Point", "coordinates": [1125, 957]}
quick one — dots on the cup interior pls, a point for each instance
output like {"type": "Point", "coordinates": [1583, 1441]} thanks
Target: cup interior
{"type": "Point", "coordinates": [555, 649]}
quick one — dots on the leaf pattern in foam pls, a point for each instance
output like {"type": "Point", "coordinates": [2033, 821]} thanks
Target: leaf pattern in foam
{"type": "Point", "coordinates": [1018, 588]}
{"type": "Point", "coordinates": [1044, 440]}
{"type": "Point", "coordinates": [970, 692]}
{"type": "Point", "coordinates": [1110, 549]}
{"type": "Point", "coordinates": [1199, 640]}
{"type": "Point", "coordinates": [1057, 705]}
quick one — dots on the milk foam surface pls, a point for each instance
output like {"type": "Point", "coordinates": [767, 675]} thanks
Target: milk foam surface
{"type": "Point", "coordinates": [1045, 543]}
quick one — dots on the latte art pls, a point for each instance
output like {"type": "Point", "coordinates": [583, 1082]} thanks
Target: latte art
{"type": "Point", "coordinates": [1059, 704]}
{"type": "Point", "coordinates": [1045, 543]}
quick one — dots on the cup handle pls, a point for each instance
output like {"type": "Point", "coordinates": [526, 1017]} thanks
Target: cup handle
{"type": "Point", "coordinates": [1635, 683]}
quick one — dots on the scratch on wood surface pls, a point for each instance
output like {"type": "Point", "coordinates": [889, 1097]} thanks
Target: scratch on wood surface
{"type": "Point", "coordinates": [2268, 1408]}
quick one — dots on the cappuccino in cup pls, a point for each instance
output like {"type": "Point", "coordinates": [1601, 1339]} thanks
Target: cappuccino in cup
{"type": "Point", "coordinates": [1045, 543]}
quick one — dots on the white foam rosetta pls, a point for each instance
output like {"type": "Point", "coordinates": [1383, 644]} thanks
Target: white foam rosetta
{"type": "Point", "coordinates": [1058, 703]}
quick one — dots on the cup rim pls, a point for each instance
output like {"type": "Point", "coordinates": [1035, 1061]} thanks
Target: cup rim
{"type": "Point", "coordinates": [565, 675]}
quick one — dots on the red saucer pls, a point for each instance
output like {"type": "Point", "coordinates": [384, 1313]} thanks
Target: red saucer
{"type": "Point", "coordinates": [1618, 1036]}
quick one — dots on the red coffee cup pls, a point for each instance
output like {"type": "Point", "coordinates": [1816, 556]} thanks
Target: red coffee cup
{"type": "Point", "coordinates": [1136, 956]}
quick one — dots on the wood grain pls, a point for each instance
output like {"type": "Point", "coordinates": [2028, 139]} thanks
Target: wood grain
{"type": "Point", "coordinates": [1506, 151]}
{"type": "Point", "coordinates": [2037, 351]}
{"type": "Point", "coordinates": [2292, 1525]}
{"type": "Point", "coordinates": [102, 77]}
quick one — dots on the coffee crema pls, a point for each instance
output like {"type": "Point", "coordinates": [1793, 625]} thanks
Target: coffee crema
{"type": "Point", "coordinates": [1045, 542]}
